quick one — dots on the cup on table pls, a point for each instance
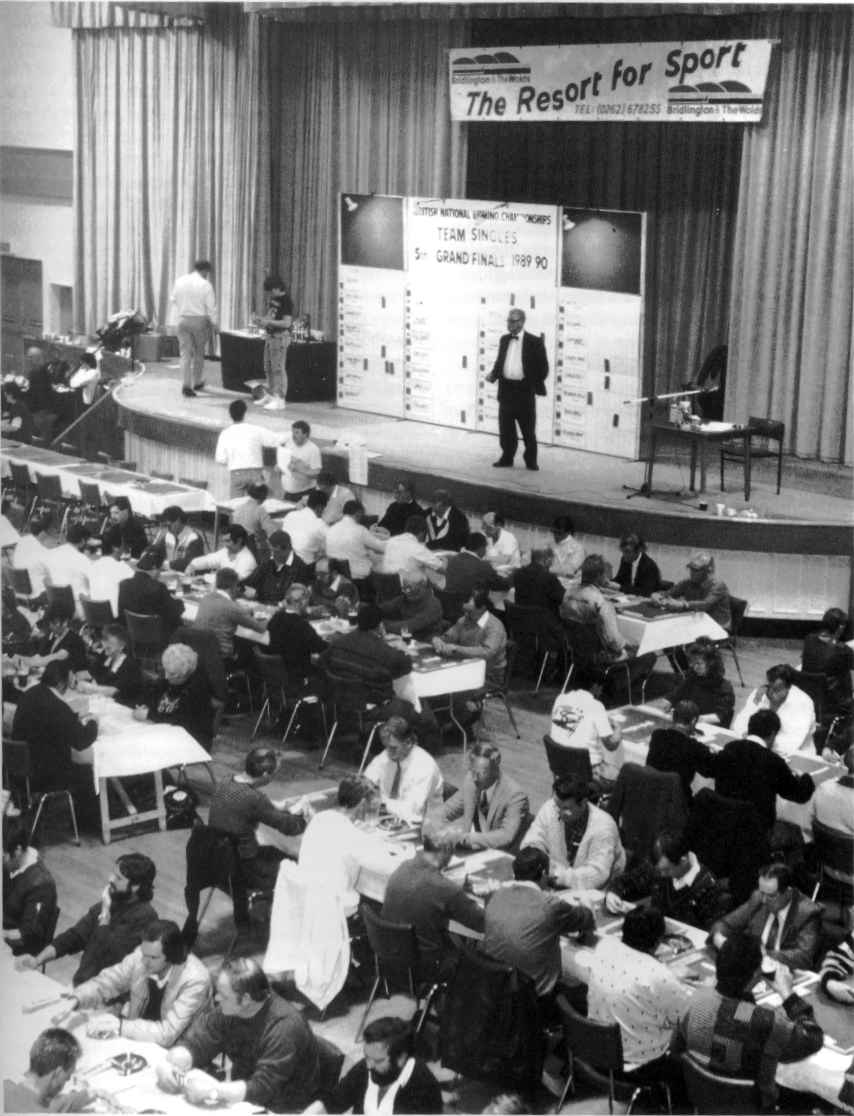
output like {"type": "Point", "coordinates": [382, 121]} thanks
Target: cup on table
{"type": "Point", "coordinates": [406, 635]}
{"type": "Point", "coordinates": [720, 509]}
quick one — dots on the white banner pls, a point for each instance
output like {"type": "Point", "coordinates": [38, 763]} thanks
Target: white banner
{"type": "Point", "coordinates": [703, 81]}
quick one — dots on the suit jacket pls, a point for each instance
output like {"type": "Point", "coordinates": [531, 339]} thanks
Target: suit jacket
{"type": "Point", "coordinates": [506, 817]}
{"type": "Point", "coordinates": [52, 729]}
{"type": "Point", "coordinates": [451, 535]}
{"type": "Point", "coordinates": [143, 594]}
{"type": "Point", "coordinates": [535, 364]}
{"type": "Point", "coordinates": [646, 580]}
{"type": "Point", "coordinates": [465, 570]}
{"type": "Point", "coordinates": [801, 931]}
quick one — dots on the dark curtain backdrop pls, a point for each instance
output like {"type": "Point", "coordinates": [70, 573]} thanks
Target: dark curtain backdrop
{"type": "Point", "coordinates": [685, 177]}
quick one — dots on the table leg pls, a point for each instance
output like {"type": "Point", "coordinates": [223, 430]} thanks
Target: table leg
{"type": "Point", "coordinates": [161, 804]}
{"type": "Point", "coordinates": [693, 462]}
{"type": "Point", "coordinates": [104, 804]}
{"type": "Point", "coordinates": [456, 722]}
{"type": "Point", "coordinates": [747, 467]}
{"type": "Point", "coordinates": [647, 480]}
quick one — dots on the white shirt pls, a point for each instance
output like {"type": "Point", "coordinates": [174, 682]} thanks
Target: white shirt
{"type": "Point", "coordinates": [338, 497]}
{"type": "Point", "coordinates": [349, 541]}
{"type": "Point", "coordinates": [688, 879]}
{"type": "Point", "coordinates": [309, 454]}
{"type": "Point", "coordinates": [69, 566]}
{"type": "Point", "coordinates": [421, 782]}
{"type": "Point", "coordinates": [193, 297]}
{"type": "Point", "coordinates": [504, 551]}
{"type": "Point", "coordinates": [404, 553]}
{"type": "Point", "coordinates": [568, 556]}
{"type": "Point", "coordinates": [243, 563]}
{"type": "Point", "coordinates": [512, 369]}
{"type": "Point", "coordinates": [308, 534]}
{"type": "Point", "coordinates": [241, 446]}
{"type": "Point", "coordinates": [372, 1105]}
{"type": "Point", "coordinates": [580, 721]}
{"type": "Point", "coordinates": [797, 719]}
{"type": "Point", "coordinates": [34, 557]}
{"type": "Point", "coordinates": [334, 849]}
{"type": "Point", "coordinates": [104, 579]}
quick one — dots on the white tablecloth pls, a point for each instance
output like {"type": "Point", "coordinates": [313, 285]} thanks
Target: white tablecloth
{"type": "Point", "coordinates": [668, 630]}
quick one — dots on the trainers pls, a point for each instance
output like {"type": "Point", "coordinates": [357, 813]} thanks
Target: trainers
{"type": "Point", "coordinates": [199, 386]}
{"type": "Point", "coordinates": [188, 392]}
{"type": "Point", "coordinates": [274, 404]}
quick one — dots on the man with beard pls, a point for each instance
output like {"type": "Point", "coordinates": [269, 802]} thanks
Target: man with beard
{"type": "Point", "coordinates": [389, 1078]}
{"type": "Point", "coordinates": [111, 928]}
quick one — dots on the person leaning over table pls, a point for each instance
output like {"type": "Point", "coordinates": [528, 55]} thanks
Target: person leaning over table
{"type": "Point", "coordinates": [220, 613]}
{"type": "Point", "coordinates": [753, 771]}
{"type": "Point", "coordinates": [182, 697]}
{"type": "Point", "coordinates": [406, 551]}
{"type": "Point", "coordinates": [275, 575]}
{"type": "Point", "coordinates": [416, 610]}
{"type": "Point", "coordinates": [349, 541]}
{"type": "Point", "coordinates": [112, 927]}
{"type": "Point", "coordinates": [581, 841]}
{"type": "Point", "coordinates": [294, 639]}
{"type": "Point", "coordinates": [116, 673]}
{"type": "Point", "coordinates": [145, 594]}
{"type": "Point", "coordinates": [60, 640]}
{"type": "Point", "coordinates": [166, 987]}
{"type": "Point", "coordinates": [636, 573]}
{"type": "Point", "coordinates": [524, 923]}
{"type": "Point", "coordinates": [785, 923]}
{"type": "Point", "coordinates": [469, 569]}
{"type": "Point", "coordinates": [677, 749]}
{"type": "Point", "coordinates": [274, 1055]}
{"type": "Point", "coordinates": [701, 591]}
{"type": "Point", "coordinates": [794, 708]}
{"type": "Point", "coordinates": [337, 495]}
{"type": "Point", "coordinates": [389, 1079]}
{"type": "Point", "coordinates": [363, 653]}
{"type": "Point", "coordinates": [306, 528]}
{"type": "Point", "coordinates": [134, 538]}
{"type": "Point", "coordinates": [235, 555]}
{"type": "Point", "coordinates": [29, 891]}
{"type": "Point", "coordinates": [419, 893]}
{"type": "Point", "coordinates": [177, 541]}
{"type": "Point", "coordinates": [238, 806]}
{"type": "Point", "coordinates": [52, 1062]}
{"type": "Point", "coordinates": [490, 809]}
{"type": "Point", "coordinates": [705, 685]}
{"type": "Point", "coordinates": [333, 591]}
{"type": "Point", "coordinates": [731, 1036]}
{"type": "Point", "coordinates": [407, 776]}
{"type": "Point", "coordinates": [477, 635]}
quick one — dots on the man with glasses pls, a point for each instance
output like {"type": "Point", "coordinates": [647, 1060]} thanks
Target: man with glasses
{"type": "Point", "coordinates": [520, 369]}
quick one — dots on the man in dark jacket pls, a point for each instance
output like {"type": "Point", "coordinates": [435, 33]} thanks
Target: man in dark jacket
{"type": "Point", "coordinates": [683, 888]}
{"type": "Point", "coordinates": [729, 1035]}
{"type": "Point", "coordinates": [111, 928]}
{"type": "Point", "coordinates": [751, 770]}
{"type": "Point", "coordinates": [637, 573]}
{"type": "Point", "coordinates": [293, 637]}
{"type": "Point", "coordinates": [469, 569]}
{"type": "Point", "coordinates": [29, 892]}
{"type": "Point", "coordinates": [677, 749]}
{"type": "Point", "coordinates": [134, 538]}
{"type": "Point", "coordinates": [388, 1064]}
{"type": "Point", "coordinates": [144, 593]}
{"type": "Point", "coordinates": [521, 368]}
{"type": "Point", "coordinates": [401, 508]}
{"type": "Point", "coordinates": [272, 578]}
{"type": "Point", "coordinates": [447, 526]}
{"type": "Point", "coordinates": [537, 587]}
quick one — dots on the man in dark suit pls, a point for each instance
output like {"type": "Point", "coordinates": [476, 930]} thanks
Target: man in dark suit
{"type": "Point", "coordinates": [637, 572]}
{"type": "Point", "coordinates": [520, 370]}
{"type": "Point", "coordinates": [469, 569]}
{"type": "Point", "coordinates": [784, 922]}
{"type": "Point", "coordinates": [143, 593]}
{"type": "Point", "coordinates": [491, 810]}
{"type": "Point", "coordinates": [537, 587]}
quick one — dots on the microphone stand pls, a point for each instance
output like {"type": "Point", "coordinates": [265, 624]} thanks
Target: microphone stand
{"type": "Point", "coordinates": [644, 489]}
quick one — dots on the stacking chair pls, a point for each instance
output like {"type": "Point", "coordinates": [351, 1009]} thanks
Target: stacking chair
{"type": "Point", "coordinates": [763, 432]}
{"type": "Point", "coordinates": [709, 1093]}
{"type": "Point", "coordinates": [643, 803]}
{"type": "Point", "coordinates": [386, 586]}
{"type": "Point", "coordinates": [97, 614]}
{"type": "Point", "coordinates": [567, 762]}
{"type": "Point", "coordinates": [835, 855]}
{"type": "Point", "coordinates": [738, 608]}
{"type": "Point", "coordinates": [396, 958]}
{"type": "Point", "coordinates": [18, 768]}
{"type": "Point", "coordinates": [22, 585]}
{"type": "Point", "coordinates": [502, 692]}
{"type": "Point", "coordinates": [50, 498]}
{"type": "Point", "coordinates": [595, 1052]}
{"type": "Point", "coordinates": [191, 483]}
{"type": "Point", "coordinates": [537, 628]}
{"type": "Point", "coordinates": [91, 508]}
{"type": "Point", "coordinates": [158, 475]}
{"type": "Point", "coordinates": [23, 486]}
{"type": "Point", "coordinates": [452, 605]}
{"type": "Point", "coordinates": [145, 632]}
{"type": "Point", "coordinates": [586, 648]}
{"type": "Point", "coordinates": [274, 691]}
{"type": "Point", "coordinates": [62, 595]}
{"type": "Point", "coordinates": [350, 701]}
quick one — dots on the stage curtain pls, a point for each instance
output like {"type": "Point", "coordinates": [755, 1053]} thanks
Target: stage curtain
{"type": "Point", "coordinates": [350, 107]}
{"type": "Point", "coordinates": [792, 315]}
{"type": "Point", "coordinates": [165, 165]}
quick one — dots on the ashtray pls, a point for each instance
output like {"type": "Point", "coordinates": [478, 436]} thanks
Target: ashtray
{"type": "Point", "coordinates": [391, 824]}
{"type": "Point", "coordinates": [128, 1063]}
{"type": "Point", "coordinates": [673, 945]}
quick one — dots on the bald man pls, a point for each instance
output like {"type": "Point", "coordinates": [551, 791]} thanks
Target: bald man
{"type": "Point", "coordinates": [520, 370]}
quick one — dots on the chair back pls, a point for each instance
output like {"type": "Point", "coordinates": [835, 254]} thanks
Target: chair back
{"type": "Point", "coordinates": [452, 604]}
{"type": "Point", "coordinates": [770, 429]}
{"type": "Point", "coordinates": [737, 610]}
{"type": "Point", "coordinates": [49, 488]}
{"type": "Point", "coordinates": [708, 1092]}
{"type": "Point", "coordinates": [643, 803]}
{"type": "Point", "coordinates": [61, 595]}
{"type": "Point", "coordinates": [386, 586]}
{"type": "Point", "coordinates": [145, 632]}
{"type": "Point", "coordinates": [584, 641]}
{"type": "Point", "coordinates": [206, 646]}
{"type": "Point", "coordinates": [97, 613]}
{"type": "Point", "coordinates": [90, 494]}
{"type": "Point", "coordinates": [599, 1045]}
{"type": "Point", "coordinates": [21, 582]}
{"type": "Point", "coordinates": [728, 837]}
{"type": "Point", "coordinates": [271, 670]}
{"type": "Point", "coordinates": [533, 623]}
{"type": "Point", "coordinates": [159, 475]}
{"type": "Point", "coordinates": [340, 566]}
{"type": "Point", "coordinates": [20, 475]}
{"type": "Point", "coordinates": [16, 758]}
{"type": "Point", "coordinates": [814, 685]}
{"type": "Point", "coordinates": [211, 860]}
{"type": "Point", "coordinates": [348, 694]}
{"type": "Point", "coordinates": [564, 762]}
{"type": "Point", "coordinates": [394, 944]}
{"type": "Point", "coordinates": [834, 849]}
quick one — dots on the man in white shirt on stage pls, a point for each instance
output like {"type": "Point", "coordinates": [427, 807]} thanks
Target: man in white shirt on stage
{"type": "Point", "coordinates": [193, 298]}
{"type": "Point", "coordinates": [409, 778]}
{"type": "Point", "coordinates": [240, 447]}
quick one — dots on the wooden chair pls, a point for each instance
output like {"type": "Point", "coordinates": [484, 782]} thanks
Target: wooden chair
{"type": "Point", "coordinates": [738, 607]}
{"type": "Point", "coordinates": [709, 1092]}
{"type": "Point", "coordinates": [763, 432]}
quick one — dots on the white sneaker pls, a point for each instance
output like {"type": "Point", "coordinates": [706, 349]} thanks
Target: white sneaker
{"type": "Point", "coordinates": [275, 404]}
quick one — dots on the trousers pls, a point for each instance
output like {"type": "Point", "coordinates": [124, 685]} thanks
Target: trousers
{"type": "Point", "coordinates": [275, 363]}
{"type": "Point", "coordinates": [192, 338]}
{"type": "Point", "coordinates": [517, 406]}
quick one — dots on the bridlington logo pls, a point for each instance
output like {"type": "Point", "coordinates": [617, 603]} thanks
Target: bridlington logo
{"type": "Point", "coordinates": [502, 65]}
{"type": "Point", "coordinates": [714, 93]}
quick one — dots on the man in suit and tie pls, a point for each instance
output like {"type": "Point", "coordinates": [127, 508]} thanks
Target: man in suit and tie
{"type": "Point", "coordinates": [491, 810]}
{"type": "Point", "coordinates": [520, 370]}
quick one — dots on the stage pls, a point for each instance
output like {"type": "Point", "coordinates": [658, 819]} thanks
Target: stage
{"type": "Point", "coordinates": [792, 561]}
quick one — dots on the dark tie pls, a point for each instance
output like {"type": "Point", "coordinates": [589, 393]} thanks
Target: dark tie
{"type": "Point", "coordinates": [771, 936]}
{"type": "Point", "coordinates": [395, 783]}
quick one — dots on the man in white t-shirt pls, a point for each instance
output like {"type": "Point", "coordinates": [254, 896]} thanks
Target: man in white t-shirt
{"type": "Point", "coordinates": [307, 529]}
{"type": "Point", "coordinates": [240, 447]}
{"type": "Point", "coordinates": [580, 720]}
{"type": "Point", "coordinates": [299, 461]}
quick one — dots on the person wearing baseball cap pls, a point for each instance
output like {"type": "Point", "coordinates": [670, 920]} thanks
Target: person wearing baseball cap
{"type": "Point", "coordinates": [700, 591]}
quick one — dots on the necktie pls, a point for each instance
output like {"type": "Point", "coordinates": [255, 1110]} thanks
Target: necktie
{"type": "Point", "coordinates": [395, 783]}
{"type": "Point", "coordinates": [483, 804]}
{"type": "Point", "coordinates": [771, 936]}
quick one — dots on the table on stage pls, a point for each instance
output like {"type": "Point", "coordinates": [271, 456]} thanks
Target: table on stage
{"type": "Point", "coordinates": [137, 1092]}
{"type": "Point", "coordinates": [310, 365]}
{"type": "Point", "coordinates": [124, 747]}
{"type": "Point", "coordinates": [699, 437]}
{"type": "Point", "coordinates": [638, 722]}
{"type": "Point", "coordinates": [148, 496]}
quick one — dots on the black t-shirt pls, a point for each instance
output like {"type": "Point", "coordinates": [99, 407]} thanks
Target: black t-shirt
{"type": "Point", "coordinates": [280, 306]}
